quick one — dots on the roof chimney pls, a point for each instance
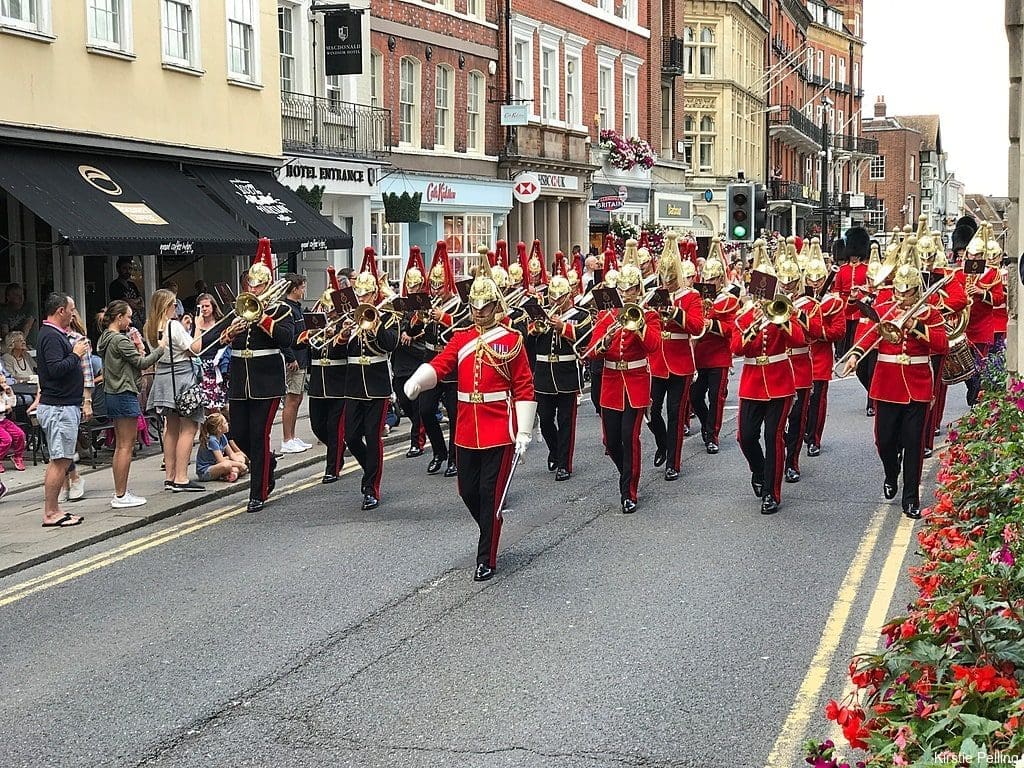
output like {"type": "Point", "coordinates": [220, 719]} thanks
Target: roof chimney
{"type": "Point", "coordinates": [880, 106]}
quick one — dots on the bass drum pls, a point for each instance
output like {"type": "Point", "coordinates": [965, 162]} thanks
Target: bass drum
{"type": "Point", "coordinates": [959, 364]}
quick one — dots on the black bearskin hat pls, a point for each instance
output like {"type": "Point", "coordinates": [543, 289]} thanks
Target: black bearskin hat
{"type": "Point", "coordinates": [963, 232]}
{"type": "Point", "coordinates": [839, 254]}
{"type": "Point", "coordinates": [858, 243]}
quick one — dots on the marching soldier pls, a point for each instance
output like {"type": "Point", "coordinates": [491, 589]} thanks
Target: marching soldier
{"type": "Point", "coordinates": [327, 386]}
{"type": "Point", "coordinates": [442, 315]}
{"type": "Point", "coordinates": [557, 380]}
{"type": "Point", "coordinates": [985, 292]}
{"type": "Point", "coordinates": [625, 339]}
{"type": "Point", "coordinates": [767, 389]}
{"type": "Point", "coordinates": [369, 342]}
{"type": "Point", "coordinates": [672, 365]}
{"type": "Point", "coordinates": [832, 315]}
{"type": "Point", "coordinates": [712, 354]}
{"type": "Point", "coordinates": [495, 395]}
{"type": "Point", "coordinates": [411, 352]}
{"type": "Point", "coordinates": [852, 284]}
{"type": "Point", "coordinates": [902, 383]}
{"type": "Point", "coordinates": [610, 275]}
{"type": "Point", "coordinates": [257, 381]}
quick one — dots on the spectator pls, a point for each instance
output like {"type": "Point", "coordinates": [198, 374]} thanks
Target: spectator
{"type": "Point", "coordinates": [591, 265]}
{"type": "Point", "coordinates": [296, 358]}
{"type": "Point", "coordinates": [217, 458]}
{"type": "Point", "coordinates": [191, 303]}
{"type": "Point", "coordinates": [179, 306]}
{"type": "Point", "coordinates": [92, 376]}
{"type": "Point", "coordinates": [346, 275]}
{"type": "Point", "coordinates": [12, 437]}
{"type": "Point", "coordinates": [123, 362]}
{"type": "Point", "coordinates": [123, 288]}
{"type": "Point", "coordinates": [214, 360]}
{"type": "Point", "coordinates": [174, 375]}
{"type": "Point", "coordinates": [17, 362]}
{"type": "Point", "coordinates": [62, 393]}
{"type": "Point", "coordinates": [577, 250]}
{"type": "Point", "coordinates": [17, 314]}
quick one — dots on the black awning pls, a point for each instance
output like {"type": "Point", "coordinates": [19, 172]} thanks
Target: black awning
{"type": "Point", "coordinates": [271, 209]}
{"type": "Point", "coordinates": [117, 205]}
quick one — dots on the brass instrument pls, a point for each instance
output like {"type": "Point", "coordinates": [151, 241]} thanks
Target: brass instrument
{"type": "Point", "coordinates": [777, 311]}
{"type": "Point", "coordinates": [366, 316]}
{"type": "Point", "coordinates": [321, 336]}
{"type": "Point", "coordinates": [630, 318]}
{"type": "Point", "coordinates": [249, 308]}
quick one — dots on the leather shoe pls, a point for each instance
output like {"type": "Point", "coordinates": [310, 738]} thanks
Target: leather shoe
{"type": "Point", "coordinates": [451, 470]}
{"type": "Point", "coordinates": [889, 491]}
{"type": "Point", "coordinates": [483, 573]}
{"type": "Point", "coordinates": [758, 485]}
{"type": "Point", "coordinates": [628, 506]}
{"type": "Point", "coordinates": [671, 474]}
{"type": "Point", "coordinates": [912, 510]}
{"type": "Point", "coordinates": [869, 411]}
{"type": "Point", "coordinates": [660, 457]}
{"type": "Point", "coordinates": [686, 430]}
{"type": "Point", "coordinates": [792, 476]}
{"type": "Point", "coordinates": [552, 464]}
{"type": "Point", "coordinates": [413, 452]}
{"type": "Point", "coordinates": [370, 501]}
{"type": "Point", "coordinates": [712, 448]}
{"type": "Point", "coordinates": [272, 482]}
{"type": "Point", "coordinates": [814, 450]}
{"type": "Point", "coordinates": [769, 506]}
{"type": "Point", "coordinates": [562, 474]}
{"type": "Point", "coordinates": [255, 505]}
{"type": "Point", "coordinates": [927, 453]}
{"type": "Point", "coordinates": [328, 479]}
{"type": "Point", "coordinates": [435, 465]}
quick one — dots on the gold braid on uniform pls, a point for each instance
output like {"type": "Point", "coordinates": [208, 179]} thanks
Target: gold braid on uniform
{"type": "Point", "coordinates": [498, 360]}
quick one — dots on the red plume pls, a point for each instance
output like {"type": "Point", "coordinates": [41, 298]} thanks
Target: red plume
{"type": "Point", "coordinates": [798, 243]}
{"type": "Point", "coordinates": [609, 241]}
{"type": "Point", "coordinates": [264, 255]}
{"type": "Point", "coordinates": [539, 253]}
{"type": "Point", "coordinates": [441, 257]}
{"type": "Point", "coordinates": [332, 279]}
{"type": "Point", "coordinates": [577, 264]}
{"type": "Point", "coordinates": [370, 262]}
{"type": "Point", "coordinates": [643, 241]}
{"type": "Point", "coordinates": [415, 260]}
{"type": "Point", "coordinates": [501, 254]}
{"type": "Point", "coordinates": [561, 267]}
{"type": "Point", "coordinates": [524, 262]}
{"type": "Point", "coordinates": [611, 261]}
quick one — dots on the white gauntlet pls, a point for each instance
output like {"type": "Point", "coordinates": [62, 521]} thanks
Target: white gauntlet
{"type": "Point", "coordinates": [424, 377]}
{"type": "Point", "coordinates": [526, 412]}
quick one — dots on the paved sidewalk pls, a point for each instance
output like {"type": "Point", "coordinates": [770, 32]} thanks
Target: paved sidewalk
{"type": "Point", "coordinates": [24, 542]}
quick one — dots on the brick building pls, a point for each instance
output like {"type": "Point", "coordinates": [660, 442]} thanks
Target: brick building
{"type": "Point", "coordinates": [892, 177]}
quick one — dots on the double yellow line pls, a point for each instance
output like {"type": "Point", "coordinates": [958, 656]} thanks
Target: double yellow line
{"type": "Point", "coordinates": [137, 546]}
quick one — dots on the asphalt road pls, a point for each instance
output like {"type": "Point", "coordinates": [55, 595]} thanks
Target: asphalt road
{"type": "Point", "coordinates": [696, 632]}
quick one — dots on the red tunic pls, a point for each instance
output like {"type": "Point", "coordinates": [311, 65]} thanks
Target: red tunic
{"type": "Point", "coordinates": [849, 277]}
{"type": "Point", "coordinates": [833, 328]}
{"type": "Point", "coordinates": [626, 372]}
{"type": "Point", "coordinates": [487, 388]}
{"type": "Point", "coordinates": [712, 349]}
{"type": "Point", "coordinates": [676, 353]}
{"type": "Point", "coordinates": [1000, 316]}
{"type": "Point", "coordinates": [981, 327]}
{"type": "Point", "coordinates": [800, 356]}
{"type": "Point", "coordinates": [767, 371]}
{"type": "Point", "coordinates": [903, 372]}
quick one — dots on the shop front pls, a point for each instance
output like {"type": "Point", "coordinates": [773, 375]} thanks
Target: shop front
{"type": "Point", "coordinates": [626, 201]}
{"type": "Point", "coordinates": [463, 212]}
{"type": "Point", "coordinates": [557, 217]}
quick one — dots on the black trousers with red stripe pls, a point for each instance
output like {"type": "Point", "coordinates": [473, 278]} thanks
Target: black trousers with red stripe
{"type": "Point", "coordinates": [866, 370]}
{"type": "Point", "coordinates": [557, 415]}
{"type": "Point", "coordinates": [708, 394]}
{"type": "Point", "coordinates": [483, 473]}
{"type": "Point", "coordinates": [411, 408]}
{"type": "Point", "coordinates": [974, 383]}
{"type": "Point", "coordinates": [448, 393]}
{"type": "Point", "coordinates": [622, 442]}
{"type": "Point", "coordinates": [251, 421]}
{"type": "Point", "coordinates": [668, 435]}
{"type": "Point", "coordinates": [899, 434]}
{"type": "Point", "coordinates": [938, 406]}
{"type": "Point", "coordinates": [596, 370]}
{"type": "Point", "coordinates": [768, 464]}
{"type": "Point", "coordinates": [364, 438]}
{"type": "Point", "coordinates": [796, 427]}
{"type": "Point", "coordinates": [327, 418]}
{"type": "Point", "coordinates": [816, 412]}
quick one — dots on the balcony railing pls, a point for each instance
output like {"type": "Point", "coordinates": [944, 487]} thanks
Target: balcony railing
{"type": "Point", "coordinates": [331, 127]}
{"type": "Point", "coordinates": [672, 51]}
{"type": "Point", "coordinates": [781, 189]}
{"type": "Point", "coordinates": [857, 145]}
{"type": "Point", "coordinates": [794, 118]}
{"type": "Point", "coordinates": [547, 142]}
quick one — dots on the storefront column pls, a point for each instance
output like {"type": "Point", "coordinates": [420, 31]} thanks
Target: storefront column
{"type": "Point", "coordinates": [527, 225]}
{"type": "Point", "coordinates": [578, 215]}
{"type": "Point", "coordinates": [149, 285]}
{"type": "Point", "coordinates": [565, 228]}
{"type": "Point", "coordinates": [503, 227]}
{"type": "Point", "coordinates": [553, 242]}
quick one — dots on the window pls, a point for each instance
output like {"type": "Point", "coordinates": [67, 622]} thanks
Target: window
{"type": "Point", "coordinates": [700, 131]}
{"type": "Point", "coordinates": [109, 23]}
{"type": "Point", "coordinates": [376, 78]}
{"type": "Point", "coordinates": [463, 234]}
{"type": "Point", "coordinates": [605, 98]}
{"type": "Point", "coordinates": [573, 109]}
{"type": "Point", "coordinates": [334, 90]}
{"type": "Point", "coordinates": [856, 76]}
{"type": "Point", "coordinates": [820, 59]}
{"type": "Point", "coordinates": [475, 8]}
{"type": "Point", "coordinates": [286, 41]}
{"type": "Point", "coordinates": [443, 87]}
{"type": "Point", "coordinates": [549, 83]}
{"type": "Point", "coordinates": [689, 48]}
{"type": "Point", "coordinates": [448, 5]}
{"type": "Point", "coordinates": [707, 51]}
{"type": "Point", "coordinates": [667, 103]}
{"type": "Point", "coordinates": [839, 120]}
{"type": "Point", "coordinates": [832, 69]}
{"type": "Point", "coordinates": [387, 239]}
{"type": "Point", "coordinates": [689, 131]}
{"type": "Point", "coordinates": [522, 72]}
{"type": "Point", "coordinates": [179, 32]}
{"type": "Point", "coordinates": [242, 40]}
{"type": "Point", "coordinates": [474, 113]}
{"type": "Point", "coordinates": [810, 62]}
{"type": "Point", "coordinates": [877, 171]}
{"type": "Point", "coordinates": [408, 102]}
{"type": "Point", "coordinates": [629, 106]}
{"type": "Point", "coordinates": [842, 71]}
{"type": "Point", "coordinates": [21, 13]}
{"type": "Point", "coordinates": [808, 171]}
{"type": "Point", "coordinates": [913, 160]}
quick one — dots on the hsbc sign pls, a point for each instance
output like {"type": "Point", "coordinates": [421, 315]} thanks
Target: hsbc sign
{"type": "Point", "coordinates": [526, 187]}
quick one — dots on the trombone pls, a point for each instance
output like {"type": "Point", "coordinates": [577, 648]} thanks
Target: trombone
{"type": "Point", "coordinates": [630, 318]}
{"type": "Point", "coordinates": [777, 311]}
{"type": "Point", "coordinates": [248, 309]}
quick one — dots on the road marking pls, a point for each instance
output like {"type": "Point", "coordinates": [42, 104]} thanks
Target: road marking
{"type": "Point", "coordinates": [784, 750]}
{"type": "Point", "coordinates": [102, 560]}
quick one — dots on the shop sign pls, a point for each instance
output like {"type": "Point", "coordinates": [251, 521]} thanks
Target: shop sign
{"type": "Point", "coordinates": [343, 43]}
{"type": "Point", "coordinates": [337, 178]}
{"type": "Point", "coordinates": [451, 192]}
{"type": "Point", "coordinates": [526, 187]}
{"type": "Point", "coordinates": [608, 203]}
{"type": "Point", "coordinates": [515, 114]}
{"type": "Point", "coordinates": [558, 181]}
{"type": "Point", "coordinates": [263, 202]}
{"type": "Point", "coordinates": [673, 209]}
{"type": "Point", "coordinates": [440, 193]}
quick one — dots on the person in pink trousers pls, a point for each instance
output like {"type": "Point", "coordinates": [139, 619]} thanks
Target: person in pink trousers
{"type": "Point", "coordinates": [12, 437]}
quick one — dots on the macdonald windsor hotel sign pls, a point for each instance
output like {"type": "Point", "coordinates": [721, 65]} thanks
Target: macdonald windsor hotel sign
{"type": "Point", "coordinates": [343, 43]}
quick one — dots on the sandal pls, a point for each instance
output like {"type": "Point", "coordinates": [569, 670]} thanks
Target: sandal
{"type": "Point", "coordinates": [65, 522]}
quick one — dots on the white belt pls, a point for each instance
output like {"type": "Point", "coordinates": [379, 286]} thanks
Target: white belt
{"type": "Point", "coordinates": [557, 358]}
{"type": "Point", "coordinates": [433, 347]}
{"type": "Point", "coordinates": [625, 365]}
{"type": "Point", "coordinates": [483, 397]}
{"type": "Point", "coordinates": [765, 359]}
{"type": "Point", "coordinates": [800, 351]}
{"type": "Point", "coordinates": [677, 336]}
{"type": "Point", "coordinates": [322, 362]}
{"type": "Point", "coordinates": [903, 359]}
{"type": "Point", "coordinates": [367, 359]}
{"type": "Point", "coordinates": [254, 352]}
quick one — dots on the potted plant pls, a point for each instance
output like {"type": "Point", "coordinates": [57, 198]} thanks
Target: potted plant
{"type": "Point", "coordinates": [401, 207]}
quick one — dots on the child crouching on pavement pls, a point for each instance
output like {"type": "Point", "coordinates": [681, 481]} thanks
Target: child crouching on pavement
{"type": "Point", "coordinates": [218, 458]}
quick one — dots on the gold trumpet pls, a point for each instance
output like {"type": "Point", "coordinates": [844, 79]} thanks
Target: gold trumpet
{"type": "Point", "coordinates": [777, 311]}
{"type": "Point", "coordinates": [251, 307]}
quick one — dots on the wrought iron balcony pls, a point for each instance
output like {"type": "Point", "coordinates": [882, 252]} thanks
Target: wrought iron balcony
{"type": "Point", "coordinates": [672, 51]}
{"type": "Point", "coordinates": [325, 126]}
{"type": "Point", "coordinates": [794, 128]}
{"type": "Point", "coordinates": [781, 189]}
{"type": "Point", "coordinates": [856, 145]}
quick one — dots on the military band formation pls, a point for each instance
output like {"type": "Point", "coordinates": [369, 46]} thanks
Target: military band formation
{"type": "Point", "coordinates": [657, 334]}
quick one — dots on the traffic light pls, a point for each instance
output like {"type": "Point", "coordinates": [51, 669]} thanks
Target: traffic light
{"type": "Point", "coordinates": [740, 215]}
{"type": "Point", "coordinates": [760, 209]}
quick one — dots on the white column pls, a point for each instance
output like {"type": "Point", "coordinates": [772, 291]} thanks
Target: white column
{"type": "Point", "coordinates": [552, 241]}
{"type": "Point", "coordinates": [578, 227]}
{"type": "Point", "coordinates": [527, 226]}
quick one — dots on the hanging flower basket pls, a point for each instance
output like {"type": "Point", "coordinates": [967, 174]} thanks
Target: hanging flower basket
{"type": "Point", "coordinates": [401, 208]}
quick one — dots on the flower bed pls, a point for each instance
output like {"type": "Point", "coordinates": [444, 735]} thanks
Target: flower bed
{"type": "Point", "coordinates": [946, 689]}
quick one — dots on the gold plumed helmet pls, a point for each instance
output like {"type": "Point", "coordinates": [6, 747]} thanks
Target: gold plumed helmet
{"type": "Point", "coordinates": [629, 253]}
{"type": "Point", "coordinates": [515, 273]}
{"type": "Point", "coordinates": [669, 265]}
{"type": "Point", "coordinates": [611, 278]}
{"type": "Point", "coordinates": [413, 278]}
{"type": "Point", "coordinates": [326, 302]}
{"type": "Point", "coordinates": [437, 276]}
{"type": "Point", "coordinates": [365, 284]}
{"type": "Point", "coordinates": [926, 246]}
{"type": "Point", "coordinates": [558, 287]}
{"type": "Point", "coordinates": [907, 276]}
{"type": "Point", "coordinates": [643, 256]}
{"type": "Point", "coordinates": [874, 263]}
{"type": "Point", "coordinates": [484, 289]}
{"type": "Point", "coordinates": [761, 261]}
{"type": "Point", "coordinates": [688, 269]}
{"type": "Point", "coordinates": [258, 274]}
{"type": "Point", "coordinates": [500, 276]}
{"type": "Point", "coordinates": [788, 270]}
{"type": "Point", "coordinates": [573, 277]}
{"type": "Point", "coordinates": [630, 276]}
{"type": "Point", "coordinates": [714, 265]}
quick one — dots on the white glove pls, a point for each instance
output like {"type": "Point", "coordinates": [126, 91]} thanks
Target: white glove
{"type": "Point", "coordinates": [526, 412]}
{"type": "Point", "coordinates": [424, 377]}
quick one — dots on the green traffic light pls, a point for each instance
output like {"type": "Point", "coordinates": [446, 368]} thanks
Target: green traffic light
{"type": "Point", "coordinates": [739, 232]}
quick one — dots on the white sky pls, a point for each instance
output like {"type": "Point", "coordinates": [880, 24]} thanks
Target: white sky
{"type": "Point", "coordinates": [945, 57]}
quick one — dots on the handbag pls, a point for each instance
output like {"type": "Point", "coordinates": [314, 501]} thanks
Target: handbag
{"type": "Point", "coordinates": [191, 397]}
